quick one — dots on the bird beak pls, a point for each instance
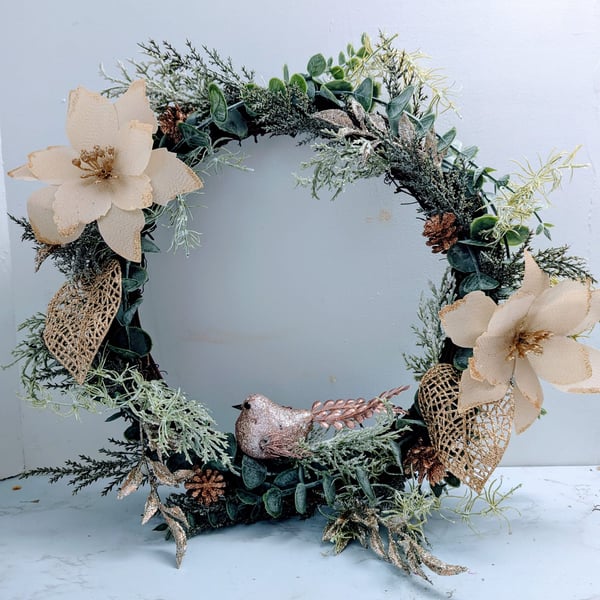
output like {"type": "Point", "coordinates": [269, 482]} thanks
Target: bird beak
{"type": "Point", "coordinates": [238, 406]}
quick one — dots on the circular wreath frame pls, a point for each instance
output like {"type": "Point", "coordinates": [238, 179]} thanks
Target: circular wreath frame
{"type": "Point", "coordinates": [370, 114]}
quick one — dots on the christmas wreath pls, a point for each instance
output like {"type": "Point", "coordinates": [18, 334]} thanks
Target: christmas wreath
{"type": "Point", "coordinates": [503, 316]}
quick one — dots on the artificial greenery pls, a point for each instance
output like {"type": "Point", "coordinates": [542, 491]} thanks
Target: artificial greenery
{"type": "Point", "coordinates": [88, 470]}
{"type": "Point", "coordinates": [370, 113]}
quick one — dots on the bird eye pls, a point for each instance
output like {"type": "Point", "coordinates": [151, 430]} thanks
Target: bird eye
{"type": "Point", "coordinates": [247, 405]}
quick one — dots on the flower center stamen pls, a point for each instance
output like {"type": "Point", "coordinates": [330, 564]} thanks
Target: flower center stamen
{"type": "Point", "coordinates": [97, 163]}
{"type": "Point", "coordinates": [527, 342]}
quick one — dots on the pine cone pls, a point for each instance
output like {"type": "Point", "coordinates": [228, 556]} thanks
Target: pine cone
{"type": "Point", "coordinates": [423, 460]}
{"type": "Point", "coordinates": [169, 122]}
{"type": "Point", "coordinates": [441, 230]}
{"type": "Point", "coordinates": [205, 486]}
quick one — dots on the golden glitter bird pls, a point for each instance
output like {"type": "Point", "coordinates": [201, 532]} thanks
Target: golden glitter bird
{"type": "Point", "coordinates": [266, 429]}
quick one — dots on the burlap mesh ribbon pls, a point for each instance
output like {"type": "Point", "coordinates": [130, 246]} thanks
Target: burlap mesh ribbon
{"type": "Point", "coordinates": [471, 444]}
{"type": "Point", "coordinates": [78, 318]}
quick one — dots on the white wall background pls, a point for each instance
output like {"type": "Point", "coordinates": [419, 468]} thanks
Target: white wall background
{"type": "Point", "coordinates": [298, 298]}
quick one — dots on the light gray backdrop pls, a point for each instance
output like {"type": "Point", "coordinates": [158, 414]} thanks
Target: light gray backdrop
{"type": "Point", "coordinates": [298, 298]}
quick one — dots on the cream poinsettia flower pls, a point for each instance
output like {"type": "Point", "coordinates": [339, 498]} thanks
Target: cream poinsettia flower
{"type": "Point", "coordinates": [530, 336]}
{"type": "Point", "coordinates": [109, 174]}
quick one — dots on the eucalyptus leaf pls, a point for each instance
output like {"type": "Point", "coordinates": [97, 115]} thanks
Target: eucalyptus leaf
{"type": "Point", "coordinates": [232, 510]}
{"type": "Point", "coordinates": [397, 105]}
{"type": "Point", "coordinates": [462, 259]}
{"type": "Point", "coordinates": [136, 278]}
{"type": "Point", "coordinates": [235, 124]}
{"type": "Point", "coordinates": [517, 235]}
{"type": "Point", "coordinates": [297, 80]}
{"type": "Point", "coordinates": [337, 72]}
{"type": "Point", "coordinates": [396, 451]}
{"type": "Point", "coordinates": [218, 104]}
{"type": "Point", "coordinates": [300, 498]}
{"type": "Point", "coordinates": [424, 124]}
{"type": "Point", "coordinates": [481, 227]}
{"type": "Point", "coordinates": [277, 86]}
{"type": "Point", "coordinates": [470, 153]}
{"type": "Point", "coordinates": [286, 479]}
{"type": "Point", "coordinates": [365, 484]}
{"type": "Point", "coordinates": [148, 246]}
{"type": "Point", "coordinates": [132, 342]}
{"type": "Point", "coordinates": [364, 93]}
{"type": "Point", "coordinates": [316, 65]}
{"type": "Point", "coordinates": [338, 85]}
{"type": "Point", "coordinates": [477, 281]}
{"type": "Point", "coordinates": [273, 501]}
{"type": "Point", "coordinates": [325, 92]}
{"type": "Point", "coordinates": [477, 243]}
{"type": "Point", "coordinates": [329, 488]}
{"type": "Point", "coordinates": [254, 473]}
{"type": "Point", "coordinates": [246, 497]}
{"type": "Point", "coordinates": [446, 140]}
{"type": "Point", "coordinates": [126, 316]}
{"type": "Point", "coordinates": [213, 520]}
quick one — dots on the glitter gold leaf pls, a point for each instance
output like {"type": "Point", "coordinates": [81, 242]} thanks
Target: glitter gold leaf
{"type": "Point", "coordinates": [469, 444]}
{"type": "Point", "coordinates": [175, 512]}
{"type": "Point", "coordinates": [151, 507]}
{"type": "Point", "coordinates": [79, 316]}
{"type": "Point", "coordinates": [163, 474]}
{"type": "Point", "coordinates": [178, 535]}
{"type": "Point", "coordinates": [132, 482]}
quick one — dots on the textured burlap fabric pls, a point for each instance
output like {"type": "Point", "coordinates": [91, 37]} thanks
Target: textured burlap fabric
{"type": "Point", "coordinates": [471, 444]}
{"type": "Point", "coordinates": [78, 318]}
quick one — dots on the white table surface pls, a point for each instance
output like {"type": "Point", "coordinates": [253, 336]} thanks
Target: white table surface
{"type": "Point", "coordinates": [54, 545]}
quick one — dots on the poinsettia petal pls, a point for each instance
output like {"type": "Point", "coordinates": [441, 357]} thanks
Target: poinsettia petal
{"type": "Point", "coordinates": [130, 193]}
{"type": "Point", "coordinates": [508, 317]}
{"type": "Point", "coordinates": [54, 165]}
{"type": "Point", "coordinates": [491, 360]}
{"type": "Point", "coordinates": [535, 281]}
{"type": "Point", "coordinates": [466, 319]}
{"type": "Point", "coordinates": [525, 412]}
{"type": "Point", "coordinates": [80, 201]}
{"type": "Point", "coordinates": [561, 308]}
{"type": "Point", "coordinates": [474, 393]}
{"type": "Point", "coordinates": [170, 176]}
{"type": "Point", "coordinates": [133, 148]}
{"type": "Point", "coordinates": [133, 105]}
{"type": "Point", "coordinates": [561, 361]}
{"type": "Point", "coordinates": [591, 318]}
{"type": "Point", "coordinates": [121, 232]}
{"type": "Point", "coordinates": [41, 218]}
{"type": "Point", "coordinates": [528, 382]}
{"type": "Point", "coordinates": [23, 172]}
{"type": "Point", "coordinates": [91, 120]}
{"type": "Point", "coordinates": [591, 385]}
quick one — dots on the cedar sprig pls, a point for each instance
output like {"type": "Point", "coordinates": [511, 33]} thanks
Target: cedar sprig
{"type": "Point", "coordinates": [89, 470]}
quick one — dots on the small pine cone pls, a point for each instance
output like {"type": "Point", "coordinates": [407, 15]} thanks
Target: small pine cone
{"type": "Point", "coordinates": [441, 231]}
{"type": "Point", "coordinates": [169, 122]}
{"type": "Point", "coordinates": [206, 486]}
{"type": "Point", "coordinates": [423, 460]}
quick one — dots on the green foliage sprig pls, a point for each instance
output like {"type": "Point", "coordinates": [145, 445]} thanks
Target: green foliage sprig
{"type": "Point", "coordinates": [88, 470]}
